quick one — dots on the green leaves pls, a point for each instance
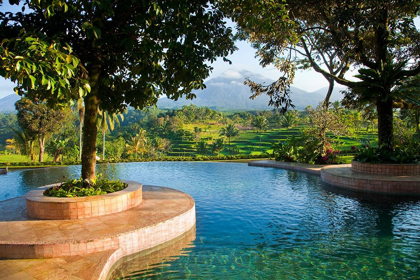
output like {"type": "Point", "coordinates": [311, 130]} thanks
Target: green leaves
{"type": "Point", "coordinates": [36, 63]}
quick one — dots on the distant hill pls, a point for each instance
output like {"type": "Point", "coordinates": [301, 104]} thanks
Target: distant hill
{"type": "Point", "coordinates": [227, 92]}
{"type": "Point", "coordinates": [336, 94]}
{"type": "Point", "coordinates": [7, 104]}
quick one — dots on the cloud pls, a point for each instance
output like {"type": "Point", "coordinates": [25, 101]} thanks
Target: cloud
{"type": "Point", "coordinates": [232, 74]}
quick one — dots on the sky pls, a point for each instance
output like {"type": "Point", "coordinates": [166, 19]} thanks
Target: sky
{"type": "Point", "coordinates": [242, 59]}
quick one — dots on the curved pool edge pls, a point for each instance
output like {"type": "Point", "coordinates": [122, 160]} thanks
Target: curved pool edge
{"type": "Point", "coordinates": [164, 214]}
{"type": "Point", "coordinates": [341, 176]}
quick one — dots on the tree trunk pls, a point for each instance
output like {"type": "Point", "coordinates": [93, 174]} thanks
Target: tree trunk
{"type": "Point", "coordinates": [385, 124]}
{"type": "Point", "coordinates": [41, 141]}
{"type": "Point", "coordinates": [81, 114]}
{"type": "Point", "coordinates": [31, 149]}
{"type": "Point", "coordinates": [103, 142]}
{"type": "Point", "coordinates": [328, 96]}
{"type": "Point", "coordinates": [90, 130]}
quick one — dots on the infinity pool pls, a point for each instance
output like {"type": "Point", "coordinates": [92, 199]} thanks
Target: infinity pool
{"type": "Point", "coordinates": [264, 223]}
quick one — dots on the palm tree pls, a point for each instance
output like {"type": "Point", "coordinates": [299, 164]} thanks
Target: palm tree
{"type": "Point", "coordinates": [107, 123]}
{"type": "Point", "coordinates": [24, 143]}
{"type": "Point", "coordinates": [229, 131]}
{"type": "Point", "coordinates": [288, 120]}
{"type": "Point", "coordinates": [57, 148]}
{"type": "Point", "coordinates": [261, 123]}
{"type": "Point", "coordinates": [217, 146]}
{"type": "Point", "coordinates": [162, 145]}
{"type": "Point", "coordinates": [202, 148]}
{"type": "Point", "coordinates": [138, 144]}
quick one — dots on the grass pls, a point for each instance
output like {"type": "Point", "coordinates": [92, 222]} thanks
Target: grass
{"type": "Point", "coordinates": [14, 158]}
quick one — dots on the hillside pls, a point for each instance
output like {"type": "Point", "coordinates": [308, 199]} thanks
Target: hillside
{"type": "Point", "coordinates": [227, 92]}
{"type": "Point", "coordinates": [7, 104]}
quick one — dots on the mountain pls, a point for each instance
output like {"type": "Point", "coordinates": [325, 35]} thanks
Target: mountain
{"type": "Point", "coordinates": [335, 96]}
{"type": "Point", "coordinates": [7, 104]}
{"type": "Point", "coordinates": [227, 92]}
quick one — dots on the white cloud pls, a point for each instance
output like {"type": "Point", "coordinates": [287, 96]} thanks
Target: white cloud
{"type": "Point", "coordinates": [232, 74]}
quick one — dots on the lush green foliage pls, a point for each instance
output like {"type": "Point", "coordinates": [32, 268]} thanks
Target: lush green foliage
{"type": "Point", "coordinates": [132, 52]}
{"type": "Point", "coordinates": [38, 121]}
{"type": "Point", "coordinates": [398, 155]}
{"type": "Point", "coordinates": [377, 36]}
{"type": "Point", "coordinates": [75, 188]}
{"type": "Point", "coordinates": [305, 149]}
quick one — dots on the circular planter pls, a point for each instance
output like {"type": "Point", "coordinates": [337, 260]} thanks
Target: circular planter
{"type": "Point", "coordinates": [386, 168]}
{"type": "Point", "coordinates": [43, 207]}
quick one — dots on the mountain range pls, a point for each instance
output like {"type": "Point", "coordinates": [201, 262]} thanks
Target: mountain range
{"type": "Point", "coordinates": [228, 92]}
{"type": "Point", "coordinates": [7, 104]}
{"type": "Point", "coordinates": [225, 92]}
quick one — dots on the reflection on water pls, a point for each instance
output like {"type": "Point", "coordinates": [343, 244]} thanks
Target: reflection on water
{"type": "Point", "coordinates": [264, 223]}
{"type": "Point", "coordinates": [142, 263]}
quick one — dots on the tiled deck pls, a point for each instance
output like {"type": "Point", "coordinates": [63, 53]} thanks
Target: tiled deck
{"type": "Point", "coordinates": [87, 249]}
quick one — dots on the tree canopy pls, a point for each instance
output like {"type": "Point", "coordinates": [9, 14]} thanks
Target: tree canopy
{"type": "Point", "coordinates": [123, 53]}
{"type": "Point", "coordinates": [377, 37]}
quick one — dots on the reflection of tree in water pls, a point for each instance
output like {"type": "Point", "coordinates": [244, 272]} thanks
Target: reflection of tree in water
{"type": "Point", "coordinates": [382, 208]}
{"type": "Point", "coordinates": [34, 178]}
{"type": "Point", "coordinates": [110, 170]}
{"type": "Point", "coordinates": [147, 263]}
{"type": "Point", "coordinates": [327, 231]}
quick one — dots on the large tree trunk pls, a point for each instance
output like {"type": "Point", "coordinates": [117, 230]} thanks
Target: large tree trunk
{"type": "Point", "coordinates": [41, 141]}
{"type": "Point", "coordinates": [385, 124]}
{"type": "Point", "coordinates": [90, 130]}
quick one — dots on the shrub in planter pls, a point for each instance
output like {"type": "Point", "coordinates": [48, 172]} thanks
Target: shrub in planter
{"type": "Point", "coordinates": [398, 156]}
{"type": "Point", "coordinates": [76, 188]}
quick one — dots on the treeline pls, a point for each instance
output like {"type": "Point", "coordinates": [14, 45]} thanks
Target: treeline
{"type": "Point", "coordinates": [189, 131]}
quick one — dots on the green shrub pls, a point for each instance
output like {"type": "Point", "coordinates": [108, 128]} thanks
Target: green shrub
{"type": "Point", "coordinates": [376, 155]}
{"type": "Point", "coordinates": [75, 188]}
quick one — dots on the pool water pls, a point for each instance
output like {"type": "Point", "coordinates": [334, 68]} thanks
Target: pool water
{"type": "Point", "coordinates": [264, 223]}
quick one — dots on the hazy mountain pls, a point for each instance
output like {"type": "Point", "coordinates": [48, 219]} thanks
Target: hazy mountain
{"type": "Point", "coordinates": [7, 104]}
{"type": "Point", "coordinates": [227, 92]}
{"type": "Point", "coordinates": [336, 95]}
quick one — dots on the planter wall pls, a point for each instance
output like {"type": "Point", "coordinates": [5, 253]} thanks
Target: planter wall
{"type": "Point", "coordinates": [386, 169]}
{"type": "Point", "coordinates": [43, 207]}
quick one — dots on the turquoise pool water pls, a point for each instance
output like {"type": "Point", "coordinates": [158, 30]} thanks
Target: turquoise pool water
{"type": "Point", "coordinates": [264, 223]}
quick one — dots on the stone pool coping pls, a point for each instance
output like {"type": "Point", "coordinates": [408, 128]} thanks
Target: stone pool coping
{"type": "Point", "coordinates": [342, 176]}
{"type": "Point", "coordinates": [39, 206]}
{"type": "Point", "coordinates": [163, 215]}
{"type": "Point", "coordinates": [314, 169]}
